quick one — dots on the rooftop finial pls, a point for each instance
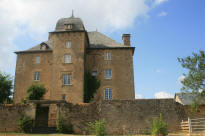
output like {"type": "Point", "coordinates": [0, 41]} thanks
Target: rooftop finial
{"type": "Point", "coordinates": [72, 13]}
{"type": "Point", "coordinates": [96, 29]}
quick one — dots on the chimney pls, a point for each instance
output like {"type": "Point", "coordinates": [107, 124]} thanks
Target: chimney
{"type": "Point", "coordinates": [126, 39]}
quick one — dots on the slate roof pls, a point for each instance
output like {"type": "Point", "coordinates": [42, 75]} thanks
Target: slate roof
{"type": "Point", "coordinates": [99, 40]}
{"type": "Point", "coordinates": [77, 24]}
{"type": "Point", "coordinates": [186, 98]}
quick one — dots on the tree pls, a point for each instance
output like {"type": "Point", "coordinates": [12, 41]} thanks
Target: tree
{"type": "Point", "coordinates": [5, 87]}
{"type": "Point", "coordinates": [195, 79]}
{"type": "Point", "coordinates": [91, 84]}
{"type": "Point", "coordinates": [35, 92]}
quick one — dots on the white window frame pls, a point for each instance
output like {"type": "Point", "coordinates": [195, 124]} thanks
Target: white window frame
{"type": "Point", "coordinates": [67, 58]}
{"type": "Point", "coordinates": [108, 94]}
{"type": "Point", "coordinates": [67, 79]}
{"type": "Point", "coordinates": [38, 60]}
{"type": "Point", "coordinates": [107, 56]}
{"type": "Point", "coordinates": [37, 76]}
{"type": "Point", "coordinates": [108, 74]}
{"type": "Point", "coordinates": [68, 44]}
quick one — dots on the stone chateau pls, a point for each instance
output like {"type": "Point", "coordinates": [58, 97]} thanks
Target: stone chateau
{"type": "Point", "coordinates": [60, 64]}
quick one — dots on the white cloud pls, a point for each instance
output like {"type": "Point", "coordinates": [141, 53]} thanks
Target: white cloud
{"type": "Point", "coordinates": [180, 79]}
{"type": "Point", "coordinates": [158, 70]}
{"type": "Point", "coordinates": [163, 13]}
{"type": "Point", "coordinates": [38, 17]}
{"type": "Point", "coordinates": [162, 94]}
{"type": "Point", "coordinates": [138, 96]}
{"type": "Point", "coordinates": [158, 2]}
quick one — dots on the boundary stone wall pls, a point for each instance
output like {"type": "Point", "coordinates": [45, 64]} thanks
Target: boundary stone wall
{"type": "Point", "coordinates": [9, 115]}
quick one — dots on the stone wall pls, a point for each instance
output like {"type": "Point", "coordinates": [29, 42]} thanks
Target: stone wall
{"type": "Point", "coordinates": [121, 116]}
{"type": "Point", "coordinates": [125, 116]}
{"type": "Point", "coordinates": [131, 117]}
{"type": "Point", "coordinates": [9, 115]}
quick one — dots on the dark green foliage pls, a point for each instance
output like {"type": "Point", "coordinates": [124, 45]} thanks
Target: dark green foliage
{"type": "Point", "coordinates": [91, 84]}
{"type": "Point", "coordinates": [64, 126]}
{"type": "Point", "coordinates": [25, 124]}
{"type": "Point", "coordinates": [97, 128]}
{"type": "Point", "coordinates": [5, 88]}
{"type": "Point", "coordinates": [159, 127]}
{"type": "Point", "coordinates": [35, 92]}
{"type": "Point", "coordinates": [195, 79]}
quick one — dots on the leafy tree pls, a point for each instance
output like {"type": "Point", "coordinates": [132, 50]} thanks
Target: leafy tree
{"type": "Point", "coordinates": [35, 92]}
{"type": "Point", "coordinates": [195, 79]}
{"type": "Point", "coordinates": [91, 84]}
{"type": "Point", "coordinates": [5, 87]}
{"type": "Point", "coordinates": [97, 128]}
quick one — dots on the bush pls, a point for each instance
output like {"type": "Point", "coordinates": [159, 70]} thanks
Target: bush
{"type": "Point", "coordinates": [97, 128]}
{"type": "Point", "coordinates": [25, 124]}
{"type": "Point", "coordinates": [35, 92]}
{"type": "Point", "coordinates": [64, 126]}
{"type": "Point", "coordinates": [159, 127]}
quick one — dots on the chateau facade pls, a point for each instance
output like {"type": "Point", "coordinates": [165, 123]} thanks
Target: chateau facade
{"type": "Point", "coordinates": [60, 64]}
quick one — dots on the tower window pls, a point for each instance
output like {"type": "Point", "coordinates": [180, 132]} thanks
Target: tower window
{"type": "Point", "coordinates": [108, 74]}
{"type": "Point", "coordinates": [68, 26]}
{"type": "Point", "coordinates": [36, 76]}
{"type": "Point", "coordinates": [107, 56]}
{"type": "Point", "coordinates": [67, 58]}
{"type": "Point", "coordinates": [68, 44]}
{"type": "Point", "coordinates": [67, 79]}
{"type": "Point", "coordinates": [108, 94]}
{"type": "Point", "coordinates": [38, 59]}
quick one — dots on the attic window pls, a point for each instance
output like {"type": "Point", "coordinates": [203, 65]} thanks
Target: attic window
{"type": "Point", "coordinates": [44, 47]}
{"type": "Point", "coordinates": [68, 26]}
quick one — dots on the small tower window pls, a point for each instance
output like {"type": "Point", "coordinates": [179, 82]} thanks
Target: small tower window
{"type": "Point", "coordinates": [68, 44]}
{"type": "Point", "coordinates": [108, 94]}
{"type": "Point", "coordinates": [38, 59]}
{"type": "Point", "coordinates": [107, 56]}
{"type": "Point", "coordinates": [67, 58]}
{"type": "Point", "coordinates": [68, 26]}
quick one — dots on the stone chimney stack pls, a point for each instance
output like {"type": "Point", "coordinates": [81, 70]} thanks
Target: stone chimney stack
{"type": "Point", "coordinates": [126, 39]}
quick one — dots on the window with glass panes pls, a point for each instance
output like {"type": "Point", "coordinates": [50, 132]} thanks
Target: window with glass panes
{"type": "Point", "coordinates": [36, 76]}
{"type": "Point", "coordinates": [67, 79]}
{"type": "Point", "coordinates": [108, 94]}
{"type": "Point", "coordinates": [108, 74]}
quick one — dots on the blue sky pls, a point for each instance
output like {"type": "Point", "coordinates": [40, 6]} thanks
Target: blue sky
{"type": "Point", "coordinates": [161, 31]}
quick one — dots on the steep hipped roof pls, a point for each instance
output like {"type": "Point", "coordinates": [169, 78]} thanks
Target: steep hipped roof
{"type": "Point", "coordinates": [77, 24]}
{"type": "Point", "coordinates": [186, 98]}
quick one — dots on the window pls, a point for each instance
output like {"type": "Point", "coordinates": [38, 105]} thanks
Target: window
{"type": "Point", "coordinates": [107, 56]}
{"type": "Point", "coordinates": [67, 79]}
{"type": "Point", "coordinates": [63, 97]}
{"type": "Point", "coordinates": [68, 26]}
{"type": "Point", "coordinates": [108, 94]}
{"type": "Point", "coordinates": [108, 74]}
{"type": "Point", "coordinates": [68, 44]}
{"type": "Point", "coordinates": [67, 58]}
{"type": "Point", "coordinates": [36, 76]}
{"type": "Point", "coordinates": [94, 73]}
{"type": "Point", "coordinates": [38, 60]}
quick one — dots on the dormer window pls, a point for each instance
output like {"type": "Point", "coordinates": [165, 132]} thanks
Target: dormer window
{"type": "Point", "coordinates": [68, 26]}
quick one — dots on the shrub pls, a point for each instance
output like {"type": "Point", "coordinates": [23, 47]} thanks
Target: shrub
{"type": "Point", "coordinates": [25, 124]}
{"type": "Point", "coordinates": [35, 92]}
{"type": "Point", "coordinates": [159, 127]}
{"type": "Point", "coordinates": [64, 126]}
{"type": "Point", "coordinates": [97, 128]}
